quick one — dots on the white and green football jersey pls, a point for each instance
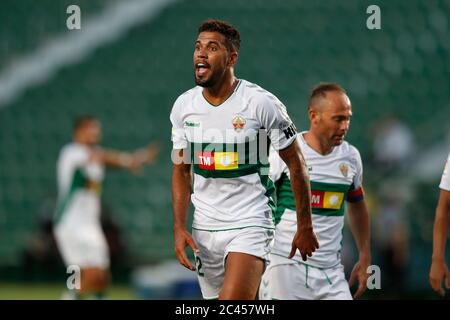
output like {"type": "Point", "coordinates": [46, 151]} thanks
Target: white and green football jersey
{"type": "Point", "coordinates": [335, 178]}
{"type": "Point", "coordinates": [445, 180]}
{"type": "Point", "coordinates": [79, 187]}
{"type": "Point", "coordinates": [228, 147]}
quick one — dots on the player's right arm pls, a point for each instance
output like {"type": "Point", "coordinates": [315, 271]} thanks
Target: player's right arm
{"type": "Point", "coordinates": [181, 191]}
{"type": "Point", "coordinates": [181, 185]}
{"type": "Point", "coordinates": [439, 269]}
{"type": "Point", "coordinates": [127, 160]}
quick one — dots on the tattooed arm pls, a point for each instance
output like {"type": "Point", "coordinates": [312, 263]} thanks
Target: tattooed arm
{"type": "Point", "coordinates": [305, 240]}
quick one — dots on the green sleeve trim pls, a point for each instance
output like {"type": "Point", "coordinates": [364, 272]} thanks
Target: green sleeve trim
{"type": "Point", "coordinates": [323, 186]}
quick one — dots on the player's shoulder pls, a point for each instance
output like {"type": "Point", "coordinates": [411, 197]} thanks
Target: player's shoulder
{"type": "Point", "coordinates": [256, 92]}
{"type": "Point", "coordinates": [260, 100]}
{"type": "Point", "coordinates": [187, 95]}
{"type": "Point", "coordinates": [72, 149]}
{"type": "Point", "coordinates": [69, 148]}
{"type": "Point", "coordinates": [350, 150]}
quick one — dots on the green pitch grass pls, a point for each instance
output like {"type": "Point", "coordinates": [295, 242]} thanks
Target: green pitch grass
{"type": "Point", "coordinates": [40, 291]}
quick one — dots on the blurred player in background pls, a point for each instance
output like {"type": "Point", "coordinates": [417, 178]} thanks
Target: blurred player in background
{"type": "Point", "coordinates": [77, 228]}
{"type": "Point", "coordinates": [335, 170]}
{"type": "Point", "coordinates": [215, 123]}
{"type": "Point", "coordinates": [439, 269]}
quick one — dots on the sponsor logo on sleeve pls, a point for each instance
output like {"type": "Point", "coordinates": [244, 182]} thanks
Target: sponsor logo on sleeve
{"type": "Point", "coordinates": [290, 131]}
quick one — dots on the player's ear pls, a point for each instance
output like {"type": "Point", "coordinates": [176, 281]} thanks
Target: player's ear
{"type": "Point", "coordinates": [232, 60]}
{"type": "Point", "coordinates": [313, 115]}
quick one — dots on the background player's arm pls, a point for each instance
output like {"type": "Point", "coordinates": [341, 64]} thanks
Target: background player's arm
{"type": "Point", "coordinates": [360, 226]}
{"type": "Point", "coordinates": [304, 239]}
{"type": "Point", "coordinates": [181, 192]}
{"type": "Point", "coordinates": [439, 269]}
{"type": "Point", "coordinates": [131, 161]}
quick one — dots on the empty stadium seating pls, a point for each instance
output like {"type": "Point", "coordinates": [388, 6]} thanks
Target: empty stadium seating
{"type": "Point", "coordinates": [287, 47]}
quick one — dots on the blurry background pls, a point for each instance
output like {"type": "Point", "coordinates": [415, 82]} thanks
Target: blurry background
{"type": "Point", "coordinates": [130, 61]}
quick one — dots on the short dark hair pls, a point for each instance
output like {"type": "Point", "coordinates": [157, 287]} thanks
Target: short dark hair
{"type": "Point", "coordinates": [83, 120]}
{"type": "Point", "coordinates": [232, 36]}
{"type": "Point", "coordinates": [320, 91]}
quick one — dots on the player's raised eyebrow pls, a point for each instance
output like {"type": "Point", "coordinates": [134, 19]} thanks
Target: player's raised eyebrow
{"type": "Point", "coordinates": [210, 42]}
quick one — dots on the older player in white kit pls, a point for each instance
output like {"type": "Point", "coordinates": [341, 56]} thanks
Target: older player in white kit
{"type": "Point", "coordinates": [335, 171]}
{"type": "Point", "coordinates": [439, 269]}
{"type": "Point", "coordinates": [221, 124]}
{"type": "Point", "coordinates": [77, 228]}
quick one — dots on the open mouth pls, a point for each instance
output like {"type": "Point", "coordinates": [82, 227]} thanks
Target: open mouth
{"type": "Point", "coordinates": [201, 68]}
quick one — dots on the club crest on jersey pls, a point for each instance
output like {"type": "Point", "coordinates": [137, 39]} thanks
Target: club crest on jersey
{"type": "Point", "coordinates": [344, 169]}
{"type": "Point", "coordinates": [238, 123]}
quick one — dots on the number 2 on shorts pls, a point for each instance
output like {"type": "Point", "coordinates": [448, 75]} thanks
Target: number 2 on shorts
{"type": "Point", "coordinates": [198, 265]}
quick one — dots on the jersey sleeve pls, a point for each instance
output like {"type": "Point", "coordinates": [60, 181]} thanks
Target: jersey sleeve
{"type": "Point", "coordinates": [71, 158]}
{"type": "Point", "coordinates": [277, 165]}
{"type": "Point", "coordinates": [76, 157]}
{"type": "Point", "coordinates": [275, 120]}
{"type": "Point", "coordinates": [179, 139]}
{"type": "Point", "coordinates": [356, 192]}
{"type": "Point", "coordinates": [445, 180]}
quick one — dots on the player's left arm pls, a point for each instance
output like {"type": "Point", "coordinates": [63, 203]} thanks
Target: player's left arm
{"type": "Point", "coordinates": [439, 269]}
{"type": "Point", "coordinates": [360, 226]}
{"type": "Point", "coordinates": [132, 161]}
{"type": "Point", "coordinates": [358, 216]}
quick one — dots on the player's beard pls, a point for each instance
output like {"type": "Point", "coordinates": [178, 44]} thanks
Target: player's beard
{"type": "Point", "coordinates": [209, 82]}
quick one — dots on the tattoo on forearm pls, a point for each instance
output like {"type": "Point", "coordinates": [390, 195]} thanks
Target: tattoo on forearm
{"type": "Point", "coordinates": [301, 179]}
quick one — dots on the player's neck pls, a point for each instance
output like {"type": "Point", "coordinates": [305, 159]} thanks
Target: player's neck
{"type": "Point", "coordinates": [83, 142]}
{"type": "Point", "coordinates": [319, 145]}
{"type": "Point", "coordinates": [78, 139]}
{"type": "Point", "coordinates": [219, 93]}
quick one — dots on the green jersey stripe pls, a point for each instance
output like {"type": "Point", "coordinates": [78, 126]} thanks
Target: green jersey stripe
{"type": "Point", "coordinates": [285, 197]}
{"type": "Point", "coordinates": [270, 190]}
{"type": "Point", "coordinates": [250, 169]}
{"type": "Point", "coordinates": [323, 186]}
{"type": "Point", "coordinates": [241, 159]}
{"type": "Point", "coordinates": [329, 212]}
{"type": "Point", "coordinates": [78, 182]}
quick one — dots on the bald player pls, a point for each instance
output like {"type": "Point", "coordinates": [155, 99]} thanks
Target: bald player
{"type": "Point", "coordinates": [335, 171]}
